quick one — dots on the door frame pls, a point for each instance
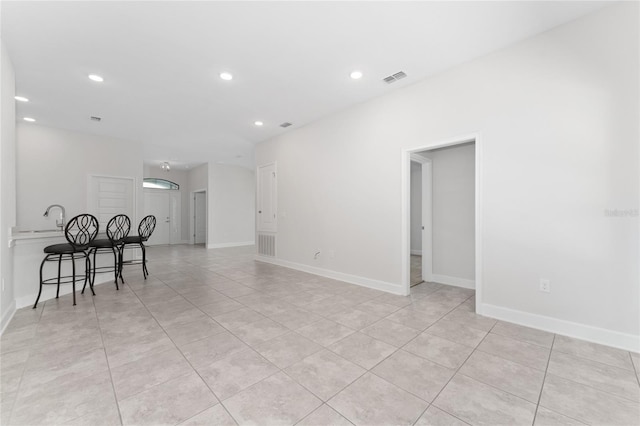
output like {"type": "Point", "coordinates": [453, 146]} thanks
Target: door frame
{"type": "Point", "coordinates": [171, 193]}
{"type": "Point", "coordinates": [275, 198]}
{"type": "Point", "coordinates": [426, 211]}
{"type": "Point", "coordinates": [192, 213]}
{"type": "Point", "coordinates": [134, 194]}
{"type": "Point", "coordinates": [405, 248]}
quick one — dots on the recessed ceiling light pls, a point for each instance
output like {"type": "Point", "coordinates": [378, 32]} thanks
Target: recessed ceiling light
{"type": "Point", "coordinates": [29, 119]}
{"type": "Point", "coordinates": [226, 76]}
{"type": "Point", "coordinates": [21, 98]}
{"type": "Point", "coordinates": [258, 123]}
{"type": "Point", "coordinates": [96, 77]}
{"type": "Point", "coordinates": [356, 75]}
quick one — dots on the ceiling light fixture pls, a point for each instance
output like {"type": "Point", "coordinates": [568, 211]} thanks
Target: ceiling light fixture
{"type": "Point", "coordinates": [258, 123]}
{"type": "Point", "coordinates": [21, 98]}
{"type": "Point", "coordinates": [96, 77]}
{"type": "Point", "coordinates": [226, 76]}
{"type": "Point", "coordinates": [356, 75]}
{"type": "Point", "coordinates": [29, 119]}
{"type": "Point", "coordinates": [166, 167]}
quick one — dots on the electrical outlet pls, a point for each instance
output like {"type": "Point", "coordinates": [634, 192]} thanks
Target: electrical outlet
{"type": "Point", "coordinates": [545, 285]}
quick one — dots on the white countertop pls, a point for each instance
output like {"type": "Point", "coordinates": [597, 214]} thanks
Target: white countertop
{"type": "Point", "coordinates": [30, 235]}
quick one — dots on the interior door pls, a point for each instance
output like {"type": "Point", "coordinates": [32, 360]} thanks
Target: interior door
{"type": "Point", "coordinates": [110, 196]}
{"type": "Point", "coordinates": [200, 217]}
{"type": "Point", "coordinates": [267, 198]}
{"type": "Point", "coordinates": [158, 204]}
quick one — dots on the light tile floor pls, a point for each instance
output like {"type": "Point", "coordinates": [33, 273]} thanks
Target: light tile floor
{"type": "Point", "coordinates": [213, 337]}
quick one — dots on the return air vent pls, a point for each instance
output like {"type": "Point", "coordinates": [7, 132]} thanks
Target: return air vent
{"type": "Point", "coordinates": [394, 77]}
{"type": "Point", "coordinates": [94, 118]}
{"type": "Point", "coordinates": [267, 245]}
{"type": "Point", "coordinates": [286, 124]}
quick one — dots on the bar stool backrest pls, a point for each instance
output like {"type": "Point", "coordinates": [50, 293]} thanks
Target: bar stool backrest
{"type": "Point", "coordinates": [146, 227]}
{"type": "Point", "coordinates": [118, 228]}
{"type": "Point", "coordinates": [81, 230]}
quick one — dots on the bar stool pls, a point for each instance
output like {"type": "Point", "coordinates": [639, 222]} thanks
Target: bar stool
{"type": "Point", "coordinates": [118, 229]}
{"type": "Point", "coordinates": [79, 232]}
{"type": "Point", "coordinates": [145, 229]}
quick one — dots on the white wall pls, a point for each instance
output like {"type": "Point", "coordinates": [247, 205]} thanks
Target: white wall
{"type": "Point", "coordinates": [53, 166]}
{"type": "Point", "coordinates": [558, 118]}
{"type": "Point", "coordinates": [181, 178]}
{"type": "Point", "coordinates": [231, 200]}
{"type": "Point", "coordinates": [197, 178]}
{"type": "Point", "coordinates": [7, 183]}
{"type": "Point", "coordinates": [416, 208]}
{"type": "Point", "coordinates": [453, 210]}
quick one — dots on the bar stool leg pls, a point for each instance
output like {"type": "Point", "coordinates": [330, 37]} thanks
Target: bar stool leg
{"type": "Point", "coordinates": [115, 266]}
{"type": "Point", "coordinates": [40, 292]}
{"type": "Point", "coordinates": [144, 261]}
{"type": "Point", "coordinates": [73, 277]}
{"type": "Point", "coordinates": [59, 268]}
{"type": "Point", "coordinates": [120, 262]}
{"type": "Point", "coordinates": [87, 276]}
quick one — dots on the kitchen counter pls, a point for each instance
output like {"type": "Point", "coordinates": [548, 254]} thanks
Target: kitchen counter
{"type": "Point", "coordinates": [28, 247]}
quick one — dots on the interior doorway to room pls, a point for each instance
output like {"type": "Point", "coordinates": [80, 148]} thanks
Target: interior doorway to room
{"type": "Point", "coordinates": [420, 222]}
{"type": "Point", "coordinates": [199, 225]}
{"type": "Point", "coordinates": [442, 234]}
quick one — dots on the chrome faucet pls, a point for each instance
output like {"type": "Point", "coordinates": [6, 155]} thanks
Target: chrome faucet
{"type": "Point", "coordinates": [59, 222]}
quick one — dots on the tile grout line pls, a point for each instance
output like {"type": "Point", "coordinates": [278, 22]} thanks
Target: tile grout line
{"type": "Point", "coordinates": [633, 364]}
{"type": "Point", "coordinates": [220, 401]}
{"type": "Point", "coordinates": [454, 375]}
{"type": "Point", "coordinates": [544, 378]}
{"type": "Point", "coordinates": [104, 349]}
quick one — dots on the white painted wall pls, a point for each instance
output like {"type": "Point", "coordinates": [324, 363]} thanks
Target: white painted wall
{"type": "Point", "coordinates": [558, 116]}
{"type": "Point", "coordinates": [181, 178]}
{"type": "Point", "coordinates": [416, 208]}
{"type": "Point", "coordinates": [54, 165]}
{"type": "Point", "coordinates": [197, 178]}
{"type": "Point", "coordinates": [7, 183]}
{"type": "Point", "coordinates": [231, 197]}
{"type": "Point", "coordinates": [453, 209]}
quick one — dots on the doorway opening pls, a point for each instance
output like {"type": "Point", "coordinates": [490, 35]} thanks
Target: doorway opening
{"type": "Point", "coordinates": [199, 217]}
{"type": "Point", "coordinates": [441, 224]}
{"type": "Point", "coordinates": [169, 188]}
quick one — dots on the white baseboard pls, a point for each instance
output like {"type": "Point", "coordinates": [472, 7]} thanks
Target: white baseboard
{"type": "Point", "coordinates": [224, 245]}
{"type": "Point", "coordinates": [627, 342]}
{"type": "Point", "coordinates": [328, 273]}
{"type": "Point", "coordinates": [49, 291]}
{"type": "Point", "coordinates": [416, 252]}
{"type": "Point", "coordinates": [454, 281]}
{"type": "Point", "coordinates": [7, 316]}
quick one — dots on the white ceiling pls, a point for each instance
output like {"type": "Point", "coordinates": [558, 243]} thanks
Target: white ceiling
{"type": "Point", "coordinates": [290, 60]}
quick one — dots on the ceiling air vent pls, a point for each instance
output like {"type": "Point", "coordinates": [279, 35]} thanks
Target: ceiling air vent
{"type": "Point", "coordinates": [286, 124]}
{"type": "Point", "coordinates": [394, 77]}
{"type": "Point", "coordinates": [94, 118]}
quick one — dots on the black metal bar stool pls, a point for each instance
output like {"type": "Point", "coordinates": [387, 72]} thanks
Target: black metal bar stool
{"type": "Point", "coordinates": [145, 229]}
{"type": "Point", "coordinates": [79, 232]}
{"type": "Point", "coordinates": [118, 229]}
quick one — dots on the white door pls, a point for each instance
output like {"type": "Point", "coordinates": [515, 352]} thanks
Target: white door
{"type": "Point", "coordinates": [110, 196]}
{"type": "Point", "coordinates": [200, 217]}
{"type": "Point", "coordinates": [158, 204]}
{"type": "Point", "coordinates": [175, 217]}
{"type": "Point", "coordinates": [267, 198]}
